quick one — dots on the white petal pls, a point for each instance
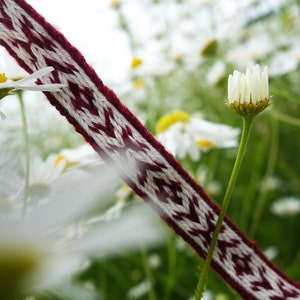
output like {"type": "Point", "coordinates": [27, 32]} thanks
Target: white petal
{"type": "Point", "coordinates": [35, 75]}
{"type": "Point", "coordinates": [54, 87]}
{"type": "Point", "coordinates": [250, 85]}
{"type": "Point", "coordinates": [134, 228]}
{"type": "Point", "coordinates": [73, 201]}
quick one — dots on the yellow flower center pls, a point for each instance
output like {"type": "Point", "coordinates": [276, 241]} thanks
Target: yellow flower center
{"type": "Point", "coordinates": [136, 61]}
{"type": "Point", "coordinates": [138, 82]}
{"type": "Point", "coordinates": [60, 158]}
{"type": "Point", "coordinates": [204, 143]}
{"type": "Point", "coordinates": [123, 193]}
{"type": "Point", "coordinates": [15, 265]}
{"type": "Point", "coordinates": [167, 120]}
{"type": "Point", "coordinates": [3, 77]}
{"type": "Point", "coordinates": [115, 3]}
{"type": "Point", "coordinates": [177, 57]}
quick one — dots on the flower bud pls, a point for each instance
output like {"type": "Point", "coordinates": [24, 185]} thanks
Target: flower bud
{"type": "Point", "coordinates": [248, 93]}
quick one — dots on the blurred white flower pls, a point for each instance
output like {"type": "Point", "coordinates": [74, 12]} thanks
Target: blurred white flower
{"type": "Point", "coordinates": [115, 211]}
{"type": "Point", "coordinates": [43, 178]}
{"type": "Point", "coordinates": [271, 253]}
{"type": "Point", "coordinates": [139, 290]}
{"type": "Point", "coordinates": [123, 193]}
{"type": "Point", "coordinates": [45, 172]}
{"type": "Point", "coordinates": [68, 165]}
{"type": "Point", "coordinates": [285, 61]}
{"type": "Point", "coordinates": [83, 155]}
{"type": "Point", "coordinates": [154, 261]}
{"type": "Point", "coordinates": [221, 296]}
{"type": "Point", "coordinates": [11, 183]}
{"type": "Point", "coordinates": [247, 53]}
{"type": "Point", "coordinates": [213, 188]}
{"type": "Point", "coordinates": [179, 139]}
{"type": "Point", "coordinates": [49, 253]}
{"type": "Point", "coordinates": [207, 295]}
{"type": "Point", "coordinates": [270, 183]}
{"type": "Point", "coordinates": [184, 135]}
{"type": "Point", "coordinates": [213, 135]}
{"type": "Point", "coordinates": [289, 206]}
{"type": "Point", "coordinates": [216, 73]}
{"type": "Point", "coordinates": [59, 229]}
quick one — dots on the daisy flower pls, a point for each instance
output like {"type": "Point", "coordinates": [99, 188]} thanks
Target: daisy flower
{"type": "Point", "coordinates": [58, 172]}
{"type": "Point", "coordinates": [50, 253]}
{"type": "Point", "coordinates": [184, 135]}
{"type": "Point", "coordinates": [46, 171]}
{"type": "Point", "coordinates": [81, 155]}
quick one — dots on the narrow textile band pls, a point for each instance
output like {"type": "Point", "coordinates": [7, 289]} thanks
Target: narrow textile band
{"type": "Point", "coordinates": [121, 140]}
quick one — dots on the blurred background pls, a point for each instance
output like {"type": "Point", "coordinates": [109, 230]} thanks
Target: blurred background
{"type": "Point", "coordinates": [168, 61]}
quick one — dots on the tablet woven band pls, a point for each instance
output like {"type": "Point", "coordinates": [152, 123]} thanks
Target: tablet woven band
{"type": "Point", "coordinates": [120, 139]}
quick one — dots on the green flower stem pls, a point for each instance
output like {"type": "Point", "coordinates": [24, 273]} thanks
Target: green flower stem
{"type": "Point", "coordinates": [27, 151]}
{"type": "Point", "coordinates": [148, 273]}
{"type": "Point", "coordinates": [172, 266]}
{"type": "Point", "coordinates": [286, 118]}
{"type": "Point", "coordinates": [247, 124]}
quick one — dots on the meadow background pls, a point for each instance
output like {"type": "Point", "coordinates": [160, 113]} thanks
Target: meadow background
{"type": "Point", "coordinates": [161, 56]}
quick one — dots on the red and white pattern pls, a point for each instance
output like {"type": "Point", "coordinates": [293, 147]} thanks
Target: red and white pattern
{"type": "Point", "coordinates": [120, 139]}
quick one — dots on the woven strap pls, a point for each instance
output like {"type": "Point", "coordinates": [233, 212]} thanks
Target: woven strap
{"type": "Point", "coordinates": [120, 139]}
